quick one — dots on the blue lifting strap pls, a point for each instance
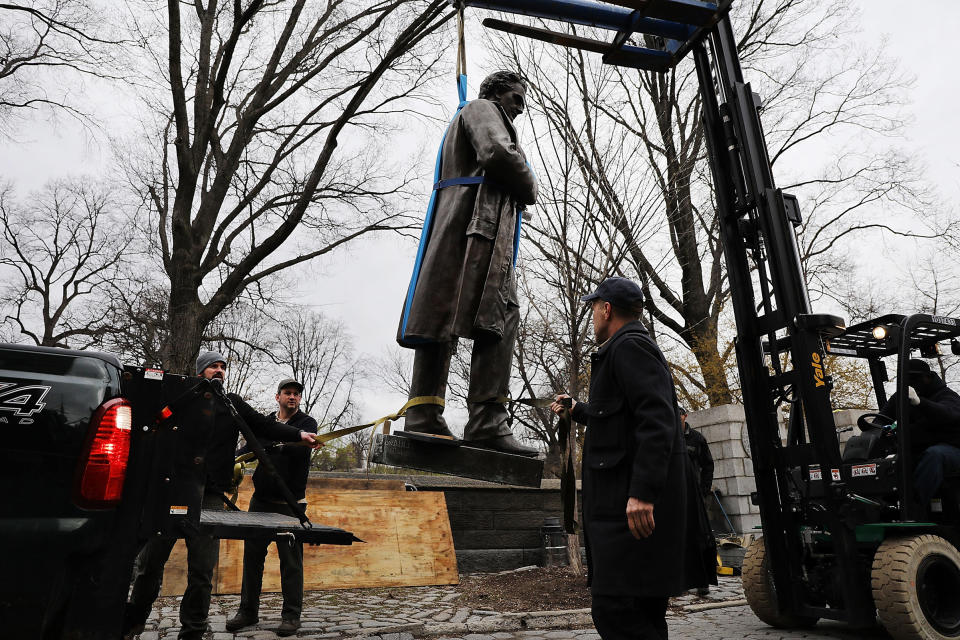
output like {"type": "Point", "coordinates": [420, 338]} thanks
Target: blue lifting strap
{"type": "Point", "coordinates": [439, 184]}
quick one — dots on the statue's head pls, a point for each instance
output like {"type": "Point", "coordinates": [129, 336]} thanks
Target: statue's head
{"type": "Point", "coordinates": [507, 89]}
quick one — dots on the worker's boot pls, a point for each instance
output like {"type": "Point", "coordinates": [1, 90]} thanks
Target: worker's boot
{"type": "Point", "coordinates": [431, 364]}
{"type": "Point", "coordinates": [242, 620]}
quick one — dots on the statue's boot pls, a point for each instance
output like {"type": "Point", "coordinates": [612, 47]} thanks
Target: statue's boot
{"type": "Point", "coordinates": [488, 423]}
{"type": "Point", "coordinates": [431, 364]}
{"type": "Point", "coordinates": [491, 418]}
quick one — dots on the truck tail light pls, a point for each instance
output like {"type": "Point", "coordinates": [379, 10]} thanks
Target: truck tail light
{"type": "Point", "coordinates": [103, 465]}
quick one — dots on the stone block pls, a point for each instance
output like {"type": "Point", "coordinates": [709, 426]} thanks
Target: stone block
{"type": "Point", "coordinates": [472, 519]}
{"type": "Point", "coordinates": [847, 417]}
{"type": "Point", "coordinates": [748, 467]}
{"type": "Point", "coordinates": [490, 560]}
{"type": "Point", "coordinates": [501, 499]}
{"type": "Point", "coordinates": [717, 415]}
{"type": "Point", "coordinates": [723, 468]}
{"type": "Point", "coordinates": [494, 539]}
{"type": "Point", "coordinates": [746, 523]}
{"type": "Point", "coordinates": [736, 505]}
{"type": "Point", "coordinates": [732, 449]}
{"type": "Point", "coordinates": [716, 449]}
{"type": "Point", "coordinates": [741, 486]}
{"type": "Point", "coordinates": [737, 467]}
{"type": "Point", "coordinates": [509, 520]}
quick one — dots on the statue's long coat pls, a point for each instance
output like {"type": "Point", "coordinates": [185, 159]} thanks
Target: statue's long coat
{"type": "Point", "coordinates": [466, 280]}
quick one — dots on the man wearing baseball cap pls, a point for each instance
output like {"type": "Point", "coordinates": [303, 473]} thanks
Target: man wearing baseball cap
{"type": "Point", "coordinates": [635, 498]}
{"type": "Point", "coordinates": [203, 550]}
{"type": "Point", "coordinates": [293, 466]}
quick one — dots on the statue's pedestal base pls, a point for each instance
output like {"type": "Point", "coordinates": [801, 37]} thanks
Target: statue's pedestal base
{"type": "Point", "coordinates": [462, 460]}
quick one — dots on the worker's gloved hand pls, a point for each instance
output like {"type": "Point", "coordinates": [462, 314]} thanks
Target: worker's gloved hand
{"type": "Point", "coordinates": [912, 396]}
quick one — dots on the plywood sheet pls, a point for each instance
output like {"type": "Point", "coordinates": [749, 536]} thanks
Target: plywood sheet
{"type": "Point", "coordinates": [407, 541]}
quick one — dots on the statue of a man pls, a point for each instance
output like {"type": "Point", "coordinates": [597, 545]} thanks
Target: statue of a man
{"type": "Point", "coordinates": [466, 286]}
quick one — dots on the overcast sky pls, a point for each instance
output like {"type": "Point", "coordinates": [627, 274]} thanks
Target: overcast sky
{"type": "Point", "coordinates": [365, 284]}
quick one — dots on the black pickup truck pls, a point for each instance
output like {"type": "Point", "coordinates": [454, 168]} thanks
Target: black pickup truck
{"type": "Point", "coordinates": [95, 459]}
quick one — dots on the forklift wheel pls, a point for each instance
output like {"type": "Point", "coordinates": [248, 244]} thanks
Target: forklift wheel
{"type": "Point", "coordinates": [761, 594]}
{"type": "Point", "coordinates": [915, 584]}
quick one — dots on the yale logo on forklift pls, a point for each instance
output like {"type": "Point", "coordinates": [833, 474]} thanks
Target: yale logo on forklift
{"type": "Point", "coordinates": [815, 362]}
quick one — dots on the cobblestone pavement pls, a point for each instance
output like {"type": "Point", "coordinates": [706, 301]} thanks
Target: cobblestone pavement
{"type": "Point", "coordinates": [406, 613]}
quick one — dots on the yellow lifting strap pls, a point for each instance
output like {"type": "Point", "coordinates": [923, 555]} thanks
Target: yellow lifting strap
{"type": "Point", "coordinates": [333, 435]}
{"type": "Point", "coordinates": [412, 402]}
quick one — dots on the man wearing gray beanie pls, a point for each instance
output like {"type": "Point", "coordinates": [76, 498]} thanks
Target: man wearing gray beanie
{"type": "Point", "coordinates": [202, 550]}
{"type": "Point", "coordinates": [207, 358]}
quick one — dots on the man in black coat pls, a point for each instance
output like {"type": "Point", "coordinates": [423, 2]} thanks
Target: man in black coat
{"type": "Point", "coordinates": [699, 452]}
{"type": "Point", "coordinates": [202, 550]}
{"type": "Point", "coordinates": [934, 428]}
{"type": "Point", "coordinates": [293, 467]}
{"type": "Point", "coordinates": [701, 463]}
{"type": "Point", "coordinates": [635, 482]}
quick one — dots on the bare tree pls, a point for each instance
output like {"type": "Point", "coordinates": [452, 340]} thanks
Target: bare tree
{"type": "Point", "coordinates": [42, 44]}
{"type": "Point", "coordinates": [251, 171]}
{"type": "Point", "coordinates": [318, 353]}
{"type": "Point", "coordinates": [137, 322]}
{"type": "Point", "coordinates": [641, 134]}
{"type": "Point", "coordinates": [64, 248]}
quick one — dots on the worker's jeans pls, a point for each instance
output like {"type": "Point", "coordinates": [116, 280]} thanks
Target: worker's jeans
{"type": "Point", "coordinates": [202, 554]}
{"type": "Point", "coordinates": [291, 567]}
{"type": "Point", "coordinates": [936, 462]}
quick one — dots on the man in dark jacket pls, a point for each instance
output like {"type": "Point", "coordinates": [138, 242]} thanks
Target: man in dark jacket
{"type": "Point", "coordinates": [202, 550]}
{"type": "Point", "coordinates": [293, 466]}
{"type": "Point", "coordinates": [934, 428]}
{"type": "Point", "coordinates": [464, 284]}
{"type": "Point", "coordinates": [634, 475]}
{"type": "Point", "coordinates": [700, 456]}
{"type": "Point", "coordinates": [701, 463]}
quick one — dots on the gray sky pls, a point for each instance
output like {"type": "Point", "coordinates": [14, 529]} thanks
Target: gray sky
{"type": "Point", "coordinates": [365, 284]}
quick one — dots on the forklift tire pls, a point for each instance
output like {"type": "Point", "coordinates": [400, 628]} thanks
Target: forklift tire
{"type": "Point", "coordinates": [761, 594]}
{"type": "Point", "coordinates": [916, 582]}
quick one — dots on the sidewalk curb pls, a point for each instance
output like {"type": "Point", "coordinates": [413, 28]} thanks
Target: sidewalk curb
{"type": "Point", "coordinates": [566, 619]}
{"type": "Point", "coordinates": [505, 622]}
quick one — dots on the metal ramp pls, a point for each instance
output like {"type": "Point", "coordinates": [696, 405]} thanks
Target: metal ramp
{"type": "Point", "coordinates": [668, 29]}
{"type": "Point", "coordinates": [248, 525]}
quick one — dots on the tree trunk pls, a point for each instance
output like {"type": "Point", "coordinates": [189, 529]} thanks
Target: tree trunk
{"type": "Point", "coordinates": [567, 434]}
{"type": "Point", "coordinates": [702, 339]}
{"type": "Point", "coordinates": [187, 323]}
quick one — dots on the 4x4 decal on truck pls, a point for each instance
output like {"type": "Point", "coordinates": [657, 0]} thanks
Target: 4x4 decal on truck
{"type": "Point", "coordinates": [24, 400]}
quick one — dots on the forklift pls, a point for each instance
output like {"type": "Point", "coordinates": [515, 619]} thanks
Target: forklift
{"type": "Point", "coordinates": [843, 537]}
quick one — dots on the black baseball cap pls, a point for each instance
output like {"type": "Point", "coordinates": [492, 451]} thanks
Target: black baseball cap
{"type": "Point", "coordinates": [289, 382]}
{"type": "Point", "coordinates": [620, 292]}
{"type": "Point", "coordinates": [915, 366]}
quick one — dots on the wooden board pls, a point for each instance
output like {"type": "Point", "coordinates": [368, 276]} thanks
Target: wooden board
{"type": "Point", "coordinates": [407, 542]}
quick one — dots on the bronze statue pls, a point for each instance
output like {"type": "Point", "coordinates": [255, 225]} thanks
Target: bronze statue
{"type": "Point", "coordinates": [464, 284]}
